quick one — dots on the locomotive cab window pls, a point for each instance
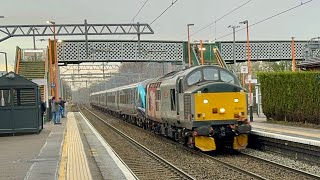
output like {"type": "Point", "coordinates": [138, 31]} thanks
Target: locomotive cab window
{"type": "Point", "coordinates": [226, 77]}
{"type": "Point", "coordinates": [194, 78]}
{"type": "Point", "coordinates": [210, 74]}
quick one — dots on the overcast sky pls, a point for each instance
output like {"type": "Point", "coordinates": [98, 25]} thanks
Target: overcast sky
{"type": "Point", "coordinates": [302, 22]}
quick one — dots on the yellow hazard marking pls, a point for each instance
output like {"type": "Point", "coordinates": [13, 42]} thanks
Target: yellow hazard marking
{"type": "Point", "coordinates": [77, 167]}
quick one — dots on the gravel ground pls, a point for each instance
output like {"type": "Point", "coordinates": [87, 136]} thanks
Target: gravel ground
{"type": "Point", "coordinates": [300, 165]}
{"type": "Point", "coordinates": [194, 163]}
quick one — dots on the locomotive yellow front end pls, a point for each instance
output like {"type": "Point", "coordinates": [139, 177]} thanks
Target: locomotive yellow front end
{"type": "Point", "coordinates": [225, 115]}
{"type": "Point", "coordinates": [218, 109]}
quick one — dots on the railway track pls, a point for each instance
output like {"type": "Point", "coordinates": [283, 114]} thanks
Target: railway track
{"type": "Point", "coordinates": [144, 163]}
{"type": "Point", "coordinates": [249, 167]}
{"type": "Point", "coordinates": [282, 167]}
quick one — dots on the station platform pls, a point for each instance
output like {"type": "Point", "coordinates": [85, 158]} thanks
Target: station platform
{"type": "Point", "coordinates": [308, 136]}
{"type": "Point", "coordinates": [72, 150]}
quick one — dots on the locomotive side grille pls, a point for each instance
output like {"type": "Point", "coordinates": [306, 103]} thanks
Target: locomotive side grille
{"type": "Point", "coordinates": [187, 105]}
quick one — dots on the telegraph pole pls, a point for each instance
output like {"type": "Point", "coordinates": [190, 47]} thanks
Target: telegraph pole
{"type": "Point", "coordinates": [234, 45]}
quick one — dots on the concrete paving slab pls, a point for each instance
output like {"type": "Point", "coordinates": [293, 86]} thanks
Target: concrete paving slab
{"type": "Point", "coordinates": [46, 163]}
{"type": "Point", "coordinates": [18, 152]}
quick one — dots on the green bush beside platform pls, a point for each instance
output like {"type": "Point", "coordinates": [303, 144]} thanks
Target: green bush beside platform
{"type": "Point", "coordinates": [291, 96]}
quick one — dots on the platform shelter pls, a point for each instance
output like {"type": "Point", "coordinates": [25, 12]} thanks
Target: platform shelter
{"type": "Point", "coordinates": [20, 110]}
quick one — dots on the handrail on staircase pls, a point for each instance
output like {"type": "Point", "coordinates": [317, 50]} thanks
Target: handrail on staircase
{"type": "Point", "coordinates": [221, 62]}
{"type": "Point", "coordinates": [196, 57]}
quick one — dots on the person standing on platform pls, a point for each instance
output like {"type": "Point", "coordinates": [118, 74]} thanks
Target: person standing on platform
{"type": "Point", "coordinates": [55, 110]}
{"type": "Point", "coordinates": [43, 110]}
{"type": "Point", "coordinates": [62, 102]}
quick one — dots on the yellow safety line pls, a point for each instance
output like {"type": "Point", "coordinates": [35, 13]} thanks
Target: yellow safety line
{"type": "Point", "coordinates": [64, 159]}
{"type": "Point", "coordinates": [288, 131]}
{"type": "Point", "coordinates": [77, 167]}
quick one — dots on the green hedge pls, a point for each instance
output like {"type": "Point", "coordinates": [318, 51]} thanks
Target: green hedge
{"type": "Point", "coordinates": [291, 96]}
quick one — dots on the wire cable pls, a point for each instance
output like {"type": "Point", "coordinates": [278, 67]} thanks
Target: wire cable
{"type": "Point", "coordinates": [172, 3]}
{"type": "Point", "coordinates": [268, 18]}
{"type": "Point", "coordinates": [136, 14]}
{"type": "Point", "coordinates": [214, 22]}
{"type": "Point", "coordinates": [139, 10]}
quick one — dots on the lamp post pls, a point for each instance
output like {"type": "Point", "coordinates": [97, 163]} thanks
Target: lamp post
{"type": "Point", "coordinates": [5, 54]}
{"type": "Point", "coordinates": [234, 44]}
{"type": "Point", "coordinates": [189, 50]}
{"type": "Point", "coordinates": [249, 69]}
{"type": "Point", "coordinates": [293, 51]}
{"type": "Point", "coordinates": [2, 97]}
{"type": "Point", "coordinates": [5, 57]}
{"type": "Point", "coordinates": [56, 92]}
{"type": "Point", "coordinates": [34, 42]}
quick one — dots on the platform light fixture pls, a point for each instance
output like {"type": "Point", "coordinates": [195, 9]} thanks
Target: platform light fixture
{"type": "Point", "coordinates": [246, 22]}
{"type": "Point", "coordinates": [56, 75]}
{"type": "Point", "coordinates": [234, 44]}
{"type": "Point", "coordinates": [50, 22]}
{"type": "Point", "coordinates": [202, 49]}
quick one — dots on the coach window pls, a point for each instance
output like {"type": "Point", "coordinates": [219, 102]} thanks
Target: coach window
{"type": "Point", "coordinates": [226, 77]}
{"type": "Point", "coordinates": [194, 78]}
{"type": "Point", "coordinates": [210, 74]}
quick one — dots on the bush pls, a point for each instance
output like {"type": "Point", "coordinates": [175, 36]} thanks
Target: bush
{"type": "Point", "coordinates": [291, 96]}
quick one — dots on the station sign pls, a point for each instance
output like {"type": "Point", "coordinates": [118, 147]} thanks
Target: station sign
{"type": "Point", "coordinates": [244, 69]}
{"type": "Point", "coordinates": [253, 81]}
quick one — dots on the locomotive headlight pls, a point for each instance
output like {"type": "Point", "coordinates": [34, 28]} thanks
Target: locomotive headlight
{"type": "Point", "coordinates": [222, 110]}
{"type": "Point", "coordinates": [236, 100]}
{"type": "Point", "coordinates": [205, 101]}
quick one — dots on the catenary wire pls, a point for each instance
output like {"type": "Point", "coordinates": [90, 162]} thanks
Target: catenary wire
{"type": "Point", "coordinates": [173, 2]}
{"type": "Point", "coordinates": [205, 27]}
{"type": "Point", "coordinates": [145, 2]}
{"type": "Point", "coordinates": [268, 18]}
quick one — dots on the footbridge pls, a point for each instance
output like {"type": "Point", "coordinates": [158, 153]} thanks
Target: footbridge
{"type": "Point", "coordinates": [75, 52]}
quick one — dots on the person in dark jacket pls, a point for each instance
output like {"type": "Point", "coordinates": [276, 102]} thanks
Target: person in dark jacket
{"type": "Point", "coordinates": [43, 109]}
{"type": "Point", "coordinates": [62, 102]}
{"type": "Point", "coordinates": [55, 110]}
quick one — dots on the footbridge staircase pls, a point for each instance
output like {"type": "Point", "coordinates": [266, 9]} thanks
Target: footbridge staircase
{"type": "Point", "coordinates": [31, 64]}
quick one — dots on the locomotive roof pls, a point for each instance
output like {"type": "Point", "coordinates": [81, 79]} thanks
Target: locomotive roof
{"type": "Point", "coordinates": [167, 76]}
{"type": "Point", "coordinates": [122, 87]}
{"type": "Point", "coordinates": [186, 71]}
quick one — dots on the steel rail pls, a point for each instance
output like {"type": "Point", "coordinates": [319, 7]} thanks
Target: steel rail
{"type": "Point", "coordinates": [298, 171]}
{"type": "Point", "coordinates": [140, 146]}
